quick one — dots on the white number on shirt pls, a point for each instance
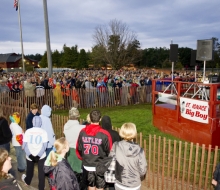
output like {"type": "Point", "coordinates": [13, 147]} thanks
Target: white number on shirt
{"type": "Point", "coordinates": [94, 149]}
{"type": "Point", "coordinates": [35, 139]}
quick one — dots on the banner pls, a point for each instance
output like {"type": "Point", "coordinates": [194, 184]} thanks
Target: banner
{"type": "Point", "coordinates": [195, 110]}
{"type": "Point", "coordinates": [167, 98]}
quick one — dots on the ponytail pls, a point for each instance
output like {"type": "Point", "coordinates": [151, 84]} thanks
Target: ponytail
{"type": "Point", "coordinates": [59, 145]}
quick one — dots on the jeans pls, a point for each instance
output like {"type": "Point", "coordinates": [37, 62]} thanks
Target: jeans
{"type": "Point", "coordinates": [21, 160]}
{"type": "Point", "coordinates": [30, 173]}
{"type": "Point", "coordinates": [6, 146]}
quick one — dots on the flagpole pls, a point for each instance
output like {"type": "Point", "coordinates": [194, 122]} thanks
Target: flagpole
{"type": "Point", "coordinates": [49, 58]}
{"type": "Point", "coordinates": [22, 49]}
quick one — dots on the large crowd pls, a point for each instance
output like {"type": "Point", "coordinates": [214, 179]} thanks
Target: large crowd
{"type": "Point", "coordinates": [87, 88]}
{"type": "Point", "coordinates": [90, 155]}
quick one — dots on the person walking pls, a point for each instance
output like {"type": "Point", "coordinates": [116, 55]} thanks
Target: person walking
{"type": "Point", "coordinates": [61, 175]}
{"type": "Point", "coordinates": [35, 144]}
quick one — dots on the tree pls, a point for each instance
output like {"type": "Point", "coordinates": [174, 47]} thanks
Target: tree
{"type": "Point", "coordinates": [43, 62]}
{"type": "Point", "coordinates": [69, 56]}
{"type": "Point", "coordinates": [184, 55]}
{"type": "Point", "coordinates": [115, 44]}
{"type": "Point", "coordinates": [82, 59]}
{"type": "Point", "coordinates": [56, 58]}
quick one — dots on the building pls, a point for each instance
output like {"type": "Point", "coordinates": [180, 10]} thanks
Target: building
{"type": "Point", "coordinates": [10, 62]}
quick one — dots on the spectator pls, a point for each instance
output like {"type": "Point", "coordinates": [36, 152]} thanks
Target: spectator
{"type": "Point", "coordinates": [61, 176]}
{"type": "Point", "coordinates": [58, 96]}
{"type": "Point", "coordinates": [33, 112]}
{"type": "Point", "coordinates": [94, 144]}
{"type": "Point", "coordinates": [90, 93]}
{"type": "Point", "coordinates": [35, 144]}
{"type": "Point", "coordinates": [216, 177]}
{"type": "Point", "coordinates": [29, 90]}
{"type": "Point", "coordinates": [5, 133]}
{"type": "Point", "coordinates": [47, 126]}
{"type": "Point", "coordinates": [71, 131]}
{"type": "Point", "coordinates": [107, 125]}
{"type": "Point", "coordinates": [117, 86]}
{"type": "Point", "coordinates": [8, 181]}
{"type": "Point", "coordinates": [17, 141]}
{"type": "Point", "coordinates": [3, 87]}
{"type": "Point", "coordinates": [130, 157]}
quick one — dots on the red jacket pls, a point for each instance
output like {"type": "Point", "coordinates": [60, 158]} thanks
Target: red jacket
{"type": "Point", "coordinates": [94, 144]}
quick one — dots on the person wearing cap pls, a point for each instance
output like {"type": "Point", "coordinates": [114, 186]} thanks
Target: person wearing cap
{"type": "Point", "coordinates": [71, 131]}
{"type": "Point", "coordinates": [34, 144]}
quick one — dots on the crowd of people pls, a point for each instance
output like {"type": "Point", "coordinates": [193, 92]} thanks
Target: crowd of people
{"type": "Point", "coordinates": [72, 162]}
{"type": "Point", "coordinates": [88, 88]}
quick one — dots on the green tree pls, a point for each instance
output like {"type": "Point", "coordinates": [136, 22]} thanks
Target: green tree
{"type": "Point", "coordinates": [56, 57]}
{"type": "Point", "coordinates": [184, 55]}
{"type": "Point", "coordinates": [69, 56]}
{"type": "Point", "coordinates": [82, 59]}
{"type": "Point", "coordinates": [178, 65]}
{"type": "Point", "coordinates": [96, 56]}
{"type": "Point", "coordinates": [43, 62]}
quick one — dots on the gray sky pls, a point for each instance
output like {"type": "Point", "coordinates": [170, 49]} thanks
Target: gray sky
{"type": "Point", "coordinates": [72, 22]}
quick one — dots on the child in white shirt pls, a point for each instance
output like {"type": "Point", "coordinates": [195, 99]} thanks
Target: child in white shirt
{"type": "Point", "coordinates": [17, 141]}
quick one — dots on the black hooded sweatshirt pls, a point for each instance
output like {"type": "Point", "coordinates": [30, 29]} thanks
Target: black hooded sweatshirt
{"type": "Point", "coordinates": [107, 125]}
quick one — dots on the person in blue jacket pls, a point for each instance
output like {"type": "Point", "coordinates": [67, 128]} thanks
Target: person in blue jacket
{"type": "Point", "coordinates": [33, 112]}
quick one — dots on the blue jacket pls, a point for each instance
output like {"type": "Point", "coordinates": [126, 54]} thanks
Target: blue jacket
{"type": "Point", "coordinates": [29, 119]}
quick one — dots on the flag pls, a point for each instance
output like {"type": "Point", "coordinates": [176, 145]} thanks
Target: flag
{"type": "Point", "coordinates": [16, 4]}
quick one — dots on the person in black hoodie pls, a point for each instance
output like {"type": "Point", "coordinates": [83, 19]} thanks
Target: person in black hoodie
{"type": "Point", "coordinates": [33, 112]}
{"type": "Point", "coordinates": [107, 125]}
{"type": "Point", "coordinates": [5, 133]}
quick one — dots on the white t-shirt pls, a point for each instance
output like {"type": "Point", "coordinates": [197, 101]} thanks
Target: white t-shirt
{"type": "Point", "coordinates": [15, 130]}
{"type": "Point", "coordinates": [35, 137]}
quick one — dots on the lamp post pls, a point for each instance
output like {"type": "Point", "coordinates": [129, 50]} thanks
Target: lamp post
{"type": "Point", "coordinates": [49, 58]}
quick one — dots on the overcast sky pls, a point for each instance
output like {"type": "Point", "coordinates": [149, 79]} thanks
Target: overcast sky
{"type": "Point", "coordinates": [72, 22]}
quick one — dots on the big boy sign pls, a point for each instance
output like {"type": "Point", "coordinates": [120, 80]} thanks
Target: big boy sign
{"type": "Point", "coordinates": [195, 110]}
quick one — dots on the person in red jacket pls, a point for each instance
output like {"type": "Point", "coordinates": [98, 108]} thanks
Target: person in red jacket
{"type": "Point", "coordinates": [93, 145]}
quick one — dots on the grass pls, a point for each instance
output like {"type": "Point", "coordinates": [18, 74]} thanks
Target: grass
{"type": "Point", "coordinates": [140, 114]}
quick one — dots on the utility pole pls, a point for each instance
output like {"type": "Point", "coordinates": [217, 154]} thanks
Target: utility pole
{"type": "Point", "coordinates": [22, 49]}
{"type": "Point", "coordinates": [49, 58]}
